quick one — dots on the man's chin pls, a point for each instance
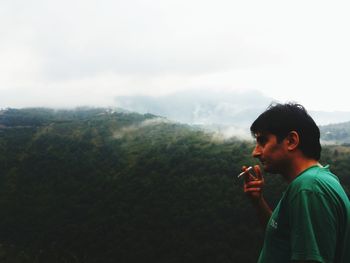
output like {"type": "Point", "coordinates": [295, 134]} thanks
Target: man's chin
{"type": "Point", "coordinates": [265, 167]}
{"type": "Point", "coordinates": [269, 169]}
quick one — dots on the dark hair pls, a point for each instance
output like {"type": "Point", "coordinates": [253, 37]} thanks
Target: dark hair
{"type": "Point", "coordinates": [280, 119]}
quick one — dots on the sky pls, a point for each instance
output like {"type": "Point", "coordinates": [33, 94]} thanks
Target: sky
{"type": "Point", "coordinates": [87, 52]}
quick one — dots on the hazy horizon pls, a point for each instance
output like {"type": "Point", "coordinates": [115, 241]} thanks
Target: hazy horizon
{"type": "Point", "coordinates": [219, 110]}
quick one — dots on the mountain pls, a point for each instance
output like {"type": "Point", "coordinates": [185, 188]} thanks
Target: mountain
{"type": "Point", "coordinates": [104, 185]}
{"type": "Point", "coordinates": [214, 108]}
{"type": "Point", "coordinates": [101, 185]}
{"type": "Point", "coordinates": [225, 113]}
{"type": "Point", "coordinates": [201, 107]}
{"type": "Point", "coordinates": [338, 133]}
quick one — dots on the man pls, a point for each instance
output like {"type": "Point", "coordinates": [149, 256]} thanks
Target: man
{"type": "Point", "coordinates": [311, 222]}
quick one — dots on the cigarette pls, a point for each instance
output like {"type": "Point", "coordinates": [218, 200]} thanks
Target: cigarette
{"type": "Point", "coordinates": [247, 170]}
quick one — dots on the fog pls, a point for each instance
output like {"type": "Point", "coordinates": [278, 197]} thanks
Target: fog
{"type": "Point", "coordinates": [74, 53]}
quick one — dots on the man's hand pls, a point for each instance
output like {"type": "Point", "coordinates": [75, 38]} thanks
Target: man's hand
{"type": "Point", "coordinates": [253, 185]}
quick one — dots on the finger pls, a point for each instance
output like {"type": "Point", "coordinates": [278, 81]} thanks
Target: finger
{"type": "Point", "coordinates": [250, 177]}
{"type": "Point", "coordinates": [251, 185]}
{"type": "Point", "coordinates": [258, 172]}
{"type": "Point", "coordinates": [255, 183]}
{"type": "Point", "coordinates": [246, 176]}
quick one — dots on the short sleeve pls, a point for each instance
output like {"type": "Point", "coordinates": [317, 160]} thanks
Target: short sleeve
{"type": "Point", "coordinates": [313, 227]}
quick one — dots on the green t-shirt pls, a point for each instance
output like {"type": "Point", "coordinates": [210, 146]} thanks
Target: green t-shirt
{"type": "Point", "coordinates": [311, 221]}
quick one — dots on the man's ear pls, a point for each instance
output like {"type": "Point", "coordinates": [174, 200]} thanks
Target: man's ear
{"type": "Point", "coordinates": [292, 140]}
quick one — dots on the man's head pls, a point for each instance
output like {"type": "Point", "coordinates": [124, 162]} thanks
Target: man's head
{"type": "Point", "coordinates": [282, 119]}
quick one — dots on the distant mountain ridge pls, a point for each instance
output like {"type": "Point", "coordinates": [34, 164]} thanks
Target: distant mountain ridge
{"type": "Point", "coordinates": [338, 133]}
{"type": "Point", "coordinates": [204, 108]}
{"type": "Point", "coordinates": [35, 117]}
{"type": "Point", "coordinates": [231, 109]}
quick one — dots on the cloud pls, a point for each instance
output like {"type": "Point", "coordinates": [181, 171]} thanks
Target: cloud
{"type": "Point", "coordinates": [129, 130]}
{"type": "Point", "coordinates": [82, 38]}
{"type": "Point", "coordinates": [78, 52]}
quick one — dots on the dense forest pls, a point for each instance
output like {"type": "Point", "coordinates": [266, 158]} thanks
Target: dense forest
{"type": "Point", "coordinates": [97, 185]}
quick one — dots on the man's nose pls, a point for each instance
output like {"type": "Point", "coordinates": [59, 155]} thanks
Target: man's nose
{"type": "Point", "coordinates": [256, 152]}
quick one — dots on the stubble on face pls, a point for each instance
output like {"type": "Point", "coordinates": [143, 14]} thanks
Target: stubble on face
{"type": "Point", "coordinates": [271, 154]}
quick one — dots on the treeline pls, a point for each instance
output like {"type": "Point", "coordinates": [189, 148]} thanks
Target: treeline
{"type": "Point", "coordinates": [96, 185]}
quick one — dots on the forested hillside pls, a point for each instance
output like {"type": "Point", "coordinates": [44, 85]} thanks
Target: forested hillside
{"type": "Point", "coordinates": [95, 185]}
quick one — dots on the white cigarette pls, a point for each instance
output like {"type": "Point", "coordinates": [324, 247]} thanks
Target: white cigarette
{"type": "Point", "coordinates": [247, 170]}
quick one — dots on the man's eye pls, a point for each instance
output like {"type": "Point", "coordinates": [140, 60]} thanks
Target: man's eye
{"type": "Point", "coordinates": [261, 140]}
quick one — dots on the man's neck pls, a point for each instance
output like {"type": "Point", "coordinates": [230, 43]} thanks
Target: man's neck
{"type": "Point", "coordinates": [298, 166]}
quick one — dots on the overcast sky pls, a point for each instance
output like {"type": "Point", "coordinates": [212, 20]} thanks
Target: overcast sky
{"type": "Point", "coordinates": [86, 52]}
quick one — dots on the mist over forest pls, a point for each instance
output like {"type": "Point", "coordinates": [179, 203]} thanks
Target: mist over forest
{"type": "Point", "coordinates": [229, 113]}
{"type": "Point", "coordinates": [110, 185]}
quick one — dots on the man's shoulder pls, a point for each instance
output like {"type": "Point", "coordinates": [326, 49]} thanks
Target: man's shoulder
{"type": "Point", "coordinates": [316, 174]}
{"type": "Point", "coordinates": [315, 179]}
